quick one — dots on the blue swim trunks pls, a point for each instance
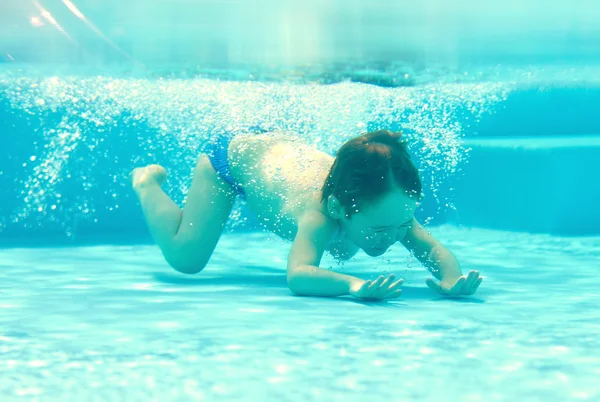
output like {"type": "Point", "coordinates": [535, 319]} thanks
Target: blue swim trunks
{"type": "Point", "coordinates": [217, 153]}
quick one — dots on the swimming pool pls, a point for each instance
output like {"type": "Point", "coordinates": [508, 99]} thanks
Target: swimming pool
{"type": "Point", "coordinates": [114, 323]}
{"type": "Point", "coordinates": [89, 310]}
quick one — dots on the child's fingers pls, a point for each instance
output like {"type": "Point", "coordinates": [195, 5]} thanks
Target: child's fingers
{"type": "Point", "coordinates": [471, 279]}
{"type": "Point", "coordinates": [395, 285]}
{"type": "Point", "coordinates": [388, 280]}
{"type": "Point", "coordinates": [375, 285]}
{"type": "Point", "coordinates": [395, 294]}
{"type": "Point", "coordinates": [383, 290]}
{"type": "Point", "coordinates": [458, 287]}
{"type": "Point", "coordinates": [433, 285]}
{"type": "Point", "coordinates": [468, 286]}
{"type": "Point", "coordinates": [476, 285]}
{"type": "Point", "coordinates": [468, 282]}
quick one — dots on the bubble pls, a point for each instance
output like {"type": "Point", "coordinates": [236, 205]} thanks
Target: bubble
{"type": "Point", "coordinates": [173, 119]}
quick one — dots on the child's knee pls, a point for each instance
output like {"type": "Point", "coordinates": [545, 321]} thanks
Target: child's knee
{"type": "Point", "coordinates": [185, 265]}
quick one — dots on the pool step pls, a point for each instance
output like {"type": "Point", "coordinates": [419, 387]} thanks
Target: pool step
{"type": "Point", "coordinates": [549, 184]}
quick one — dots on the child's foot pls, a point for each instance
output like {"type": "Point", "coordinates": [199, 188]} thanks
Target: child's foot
{"type": "Point", "coordinates": [148, 175]}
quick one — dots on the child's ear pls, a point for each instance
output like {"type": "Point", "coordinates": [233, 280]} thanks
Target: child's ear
{"type": "Point", "coordinates": [334, 207]}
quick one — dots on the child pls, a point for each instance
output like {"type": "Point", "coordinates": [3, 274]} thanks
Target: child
{"type": "Point", "coordinates": [365, 199]}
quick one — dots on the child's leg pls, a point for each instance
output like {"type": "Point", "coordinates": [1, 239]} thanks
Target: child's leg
{"type": "Point", "coordinates": [186, 238]}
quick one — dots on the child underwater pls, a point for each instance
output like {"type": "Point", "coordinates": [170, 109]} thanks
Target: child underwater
{"type": "Point", "coordinates": [363, 199]}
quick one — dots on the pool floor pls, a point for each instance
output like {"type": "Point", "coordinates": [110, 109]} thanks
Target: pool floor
{"type": "Point", "coordinates": [112, 323]}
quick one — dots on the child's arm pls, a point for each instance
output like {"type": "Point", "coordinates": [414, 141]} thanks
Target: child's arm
{"type": "Point", "coordinates": [305, 278]}
{"type": "Point", "coordinates": [441, 262]}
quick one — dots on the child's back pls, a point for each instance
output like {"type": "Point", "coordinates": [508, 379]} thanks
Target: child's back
{"type": "Point", "coordinates": [282, 178]}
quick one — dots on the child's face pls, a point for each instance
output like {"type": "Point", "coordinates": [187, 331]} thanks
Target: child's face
{"type": "Point", "coordinates": [382, 223]}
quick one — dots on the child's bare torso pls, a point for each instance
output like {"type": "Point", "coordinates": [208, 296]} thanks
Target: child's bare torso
{"type": "Point", "coordinates": [282, 177]}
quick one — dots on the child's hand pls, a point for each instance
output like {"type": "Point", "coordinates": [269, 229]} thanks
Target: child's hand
{"type": "Point", "coordinates": [462, 286]}
{"type": "Point", "coordinates": [381, 288]}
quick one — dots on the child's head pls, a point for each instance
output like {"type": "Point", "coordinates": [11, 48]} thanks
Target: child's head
{"type": "Point", "coordinates": [373, 189]}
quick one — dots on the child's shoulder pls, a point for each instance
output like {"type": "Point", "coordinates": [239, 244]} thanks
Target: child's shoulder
{"type": "Point", "coordinates": [326, 230]}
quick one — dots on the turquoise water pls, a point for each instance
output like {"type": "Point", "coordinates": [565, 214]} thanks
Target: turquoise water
{"type": "Point", "coordinates": [498, 103]}
{"type": "Point", "coordinates": [116, 323]}
{"type": "Point", "coordinates": [89, 310]}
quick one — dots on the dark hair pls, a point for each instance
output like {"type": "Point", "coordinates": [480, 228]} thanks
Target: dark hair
{"type": "Point", "coordinates": [364, 166]}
